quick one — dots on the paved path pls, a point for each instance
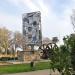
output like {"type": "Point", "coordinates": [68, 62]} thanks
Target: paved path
{"type": "Point", "coordinates": [39, 72]}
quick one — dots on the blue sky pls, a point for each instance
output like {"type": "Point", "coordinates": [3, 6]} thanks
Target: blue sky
{"type": "Point", "coordinates": [55, 15]}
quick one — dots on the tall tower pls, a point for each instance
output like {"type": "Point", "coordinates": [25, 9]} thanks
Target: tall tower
{"type": "Point", "coordinates": [32, 28]}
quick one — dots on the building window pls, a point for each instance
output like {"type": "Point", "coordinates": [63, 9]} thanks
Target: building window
{"type": "Point", "coordinates": [34, 23]}
{"type": "Point", "coordinates": [29, 36]}
{"type": "Point", "coordinates": [25, 20]}
{"type": "Point", "coordinates": [29, 29]}
{"type": "Point", "coordinates": [34, 38]}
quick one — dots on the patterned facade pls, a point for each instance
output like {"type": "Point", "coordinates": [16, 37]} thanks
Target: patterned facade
{"type": "Point", "coordinates": [32, 28]}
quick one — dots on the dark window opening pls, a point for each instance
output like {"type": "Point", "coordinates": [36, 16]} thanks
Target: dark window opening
{"type": "Point", "coordinates": [29, 36]}
{"type": "Point", "coordinates": [34, 23]}
{"type": "Point", "coordinates": [25, 20]}
{"type": "Point", "coordinates": [29, 29]}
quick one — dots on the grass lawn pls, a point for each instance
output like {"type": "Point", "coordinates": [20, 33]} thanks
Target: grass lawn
{"type": "Point", "coordinates": [23, 67]}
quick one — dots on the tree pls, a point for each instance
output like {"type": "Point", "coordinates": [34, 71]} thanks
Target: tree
{"type": "Point", "coordinates": [71, 45]}
{"type": "Point", "coordinates": [65, 60]}
{"type": "Point", "coordinates": [19, 40]}
{"type": "Point", "coordinates": [61, 58]}
{"type": "Point", "coordinates": [5, 37]}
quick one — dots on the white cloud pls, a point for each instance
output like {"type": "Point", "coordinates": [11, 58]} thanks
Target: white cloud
{"type": "Point", "coordinates": [43, 7]}
{"type": "Point", "coordinates": [40, 6]}
{"type": "Point", "coordinates": [15, 2]}
{"type": "Point", "coordinates": [11, 22]}
{"type": "Point", "coordinates": [32, 5]}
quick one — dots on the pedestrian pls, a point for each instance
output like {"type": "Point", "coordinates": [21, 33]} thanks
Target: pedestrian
{"type": "Point", "coordinates": [32, 65]}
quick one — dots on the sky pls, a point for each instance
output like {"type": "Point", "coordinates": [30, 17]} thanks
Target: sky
{"type": "Point", "coordinates": [55, 15]}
